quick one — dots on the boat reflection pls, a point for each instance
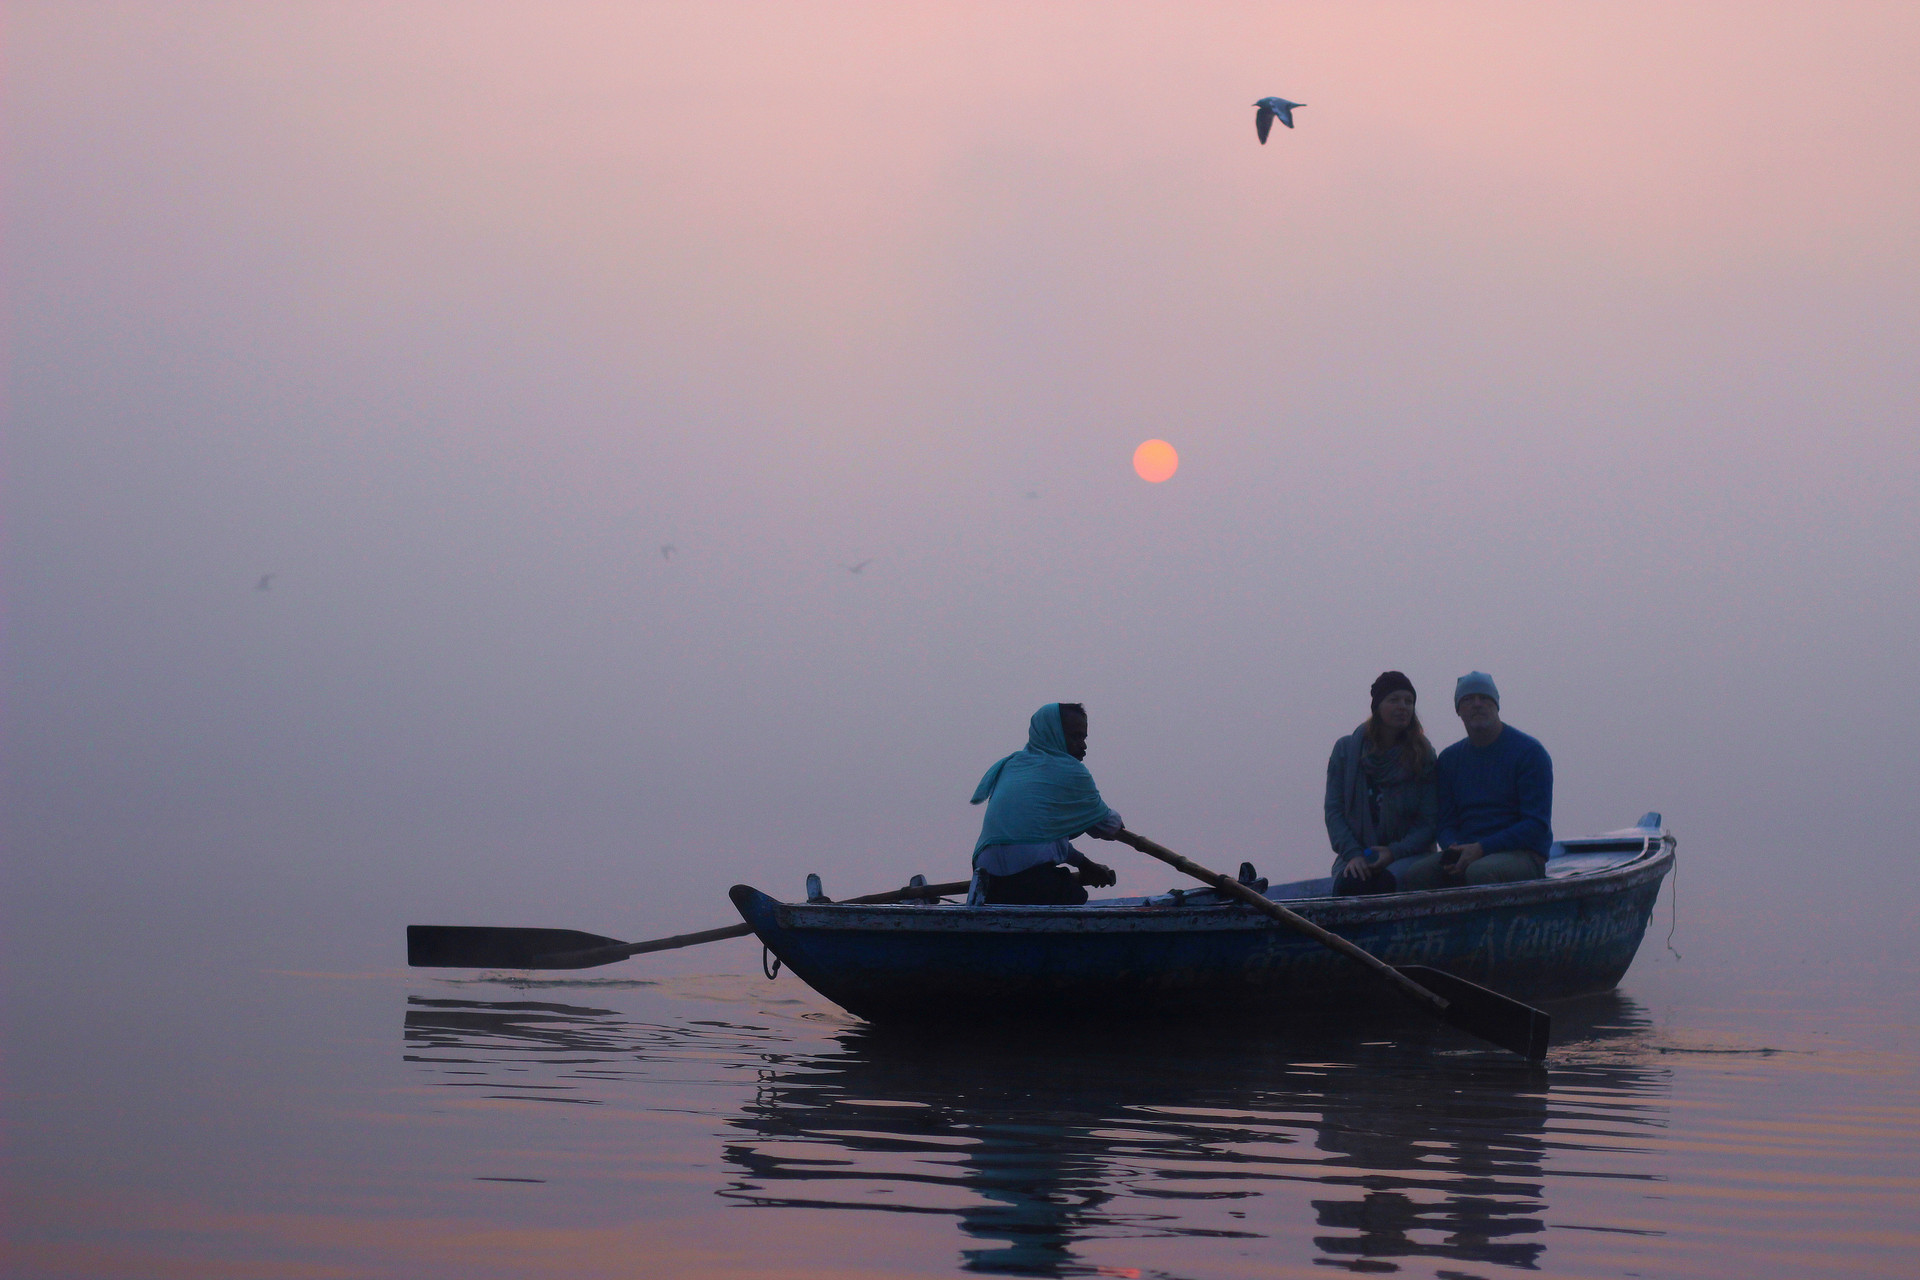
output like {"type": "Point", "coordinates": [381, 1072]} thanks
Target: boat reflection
{"type": "Point", "coordinates": [1034, 1143]}
{"type": "Point", "coordinates": [1044, 1146]}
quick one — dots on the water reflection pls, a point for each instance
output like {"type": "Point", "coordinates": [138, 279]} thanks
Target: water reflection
{"type": "Point", "coordinates": [1037, 1142]}
{"type": "Point", "coordinates": [1042, 1147]}
{"type": "Point", "coordinates": [1481, 1150]}
{"type": "Point", "coordinates": [490, 1043]}
{"type": "Point", "coordinates": [541, 1051]}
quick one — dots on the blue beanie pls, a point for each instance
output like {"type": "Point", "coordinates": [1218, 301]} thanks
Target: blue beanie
{"type": "Point", "coordinates": [1475, 682]}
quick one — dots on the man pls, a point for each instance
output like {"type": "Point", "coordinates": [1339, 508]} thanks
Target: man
{"type": "Point", "coordinates": [1496, 799]}
{"type": "Point", "coordinates": [1038, 799]}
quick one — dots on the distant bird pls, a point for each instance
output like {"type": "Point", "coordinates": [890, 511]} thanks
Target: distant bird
{"type": "Point", "coordinates": [855, 568]}
{"type": "Point", "coordinates": [666, 550]}
{"type": "Point", "coordinates": [265, 583]}
{"type": "Point", "coordinates": [1272, 109]}
{"type": "Point", "coordinates": [1032, 494]}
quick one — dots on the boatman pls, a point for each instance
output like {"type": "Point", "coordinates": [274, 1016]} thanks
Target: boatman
{"type": "Point", "coordinates": [1496, 799]}
{"type": "Point", "coordinates": [1037, 800]}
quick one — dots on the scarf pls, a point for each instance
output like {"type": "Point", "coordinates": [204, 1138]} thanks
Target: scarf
{"type": "Point", "coordinates": [1041, 793]}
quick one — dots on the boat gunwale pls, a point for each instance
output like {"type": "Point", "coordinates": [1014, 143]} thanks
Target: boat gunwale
{"type": "Point", "coordinates": [1145, 917]}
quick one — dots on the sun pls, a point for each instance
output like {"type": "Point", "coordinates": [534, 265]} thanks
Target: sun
{"type": "Point", "coordinates": [1155, 461]}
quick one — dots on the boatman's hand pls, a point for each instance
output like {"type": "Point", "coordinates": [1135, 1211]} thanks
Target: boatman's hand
{"type": "Point", "coordinates": [1096, 875]}
{"type": "Point", "coordinates": [1461, 856]}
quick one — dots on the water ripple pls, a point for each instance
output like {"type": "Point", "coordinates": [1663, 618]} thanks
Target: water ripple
{"type": "Point", "coordinates": [1039, 1144]}
{"type": "Point", "coordinates": [1146, 1150]}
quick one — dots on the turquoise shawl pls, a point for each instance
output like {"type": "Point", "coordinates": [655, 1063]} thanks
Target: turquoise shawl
{"type": "Point", "coordinates": [1040, 794]}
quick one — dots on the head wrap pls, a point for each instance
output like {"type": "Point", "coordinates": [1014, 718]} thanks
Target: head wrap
{"type": "Point", "coordinates": [1389, 682]}
{"type": "Point", "coordinates": [1041, 793]}
{"type": "Point", "coordinates": [1475, 682]}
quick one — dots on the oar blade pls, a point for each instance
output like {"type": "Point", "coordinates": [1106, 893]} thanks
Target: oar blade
{"type": "Point", "coordinates": [462, 946]}
{"type": "Point", "coordinates": [1497, 1019]}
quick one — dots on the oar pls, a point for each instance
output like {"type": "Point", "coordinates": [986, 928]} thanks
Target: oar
{"type": "Point", "coordinates": [461, 946]}
{"type": "Point", "coordinates": [1472, 1008]}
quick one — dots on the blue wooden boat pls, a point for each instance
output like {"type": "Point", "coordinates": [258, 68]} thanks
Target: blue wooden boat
{"type": "Point", "coordinates": [1573, 933]}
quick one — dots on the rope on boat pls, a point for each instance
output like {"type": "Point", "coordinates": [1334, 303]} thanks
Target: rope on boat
{"type": "Point", "coordinates": [772, 970]}
{"type": "Point", "coordinates": [1673, 898]}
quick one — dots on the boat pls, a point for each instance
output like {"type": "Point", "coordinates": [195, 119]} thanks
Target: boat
{"type": "Point", "coordinates": [1573, 933]}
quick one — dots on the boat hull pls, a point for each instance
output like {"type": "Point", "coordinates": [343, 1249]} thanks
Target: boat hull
{"type": "Point", "coordinates": [1542, 939]}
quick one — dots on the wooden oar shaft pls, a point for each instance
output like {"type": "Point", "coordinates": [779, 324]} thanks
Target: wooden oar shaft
{"type": "Point", "coordinates": [1293, 920]}
{"type": "Point", "coordinates": [607, 955]}
{"type": "Point", "coordinates": [682, 940]}
{"type": "Point", "coordinates": [925, 891]}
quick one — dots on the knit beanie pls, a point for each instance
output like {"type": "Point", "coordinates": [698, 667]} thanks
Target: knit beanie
{"type": "Point", "coordinates": [1389, 682]}
{"type": "Point", "coordinates": [1475, 682]}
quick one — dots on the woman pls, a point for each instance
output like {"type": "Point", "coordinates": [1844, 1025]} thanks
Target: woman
{"type": "Point", "coordinates": [1382, 805]}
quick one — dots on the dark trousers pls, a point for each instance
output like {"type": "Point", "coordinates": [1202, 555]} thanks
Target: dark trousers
{"type": "Point", "coordinates": [1493, 868]}
{"type": "Point", "coordinates": [1047, 885]}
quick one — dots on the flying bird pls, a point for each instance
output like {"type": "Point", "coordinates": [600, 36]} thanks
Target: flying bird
{"type": "Point", "coordinates": [265, 583]}
{"type": "Point", "coordinates": [855, 568]}
{"type": "Point", "coordinates": [666, 550]}
{"type": "Point", "coordinates": [1272, 109]}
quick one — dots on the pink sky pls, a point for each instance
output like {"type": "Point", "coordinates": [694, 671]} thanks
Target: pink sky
{"type": "Point", "coordinates": [1572, 342]}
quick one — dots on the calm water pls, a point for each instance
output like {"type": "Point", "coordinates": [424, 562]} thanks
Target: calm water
{"type": "Point", "coordinates": [1713, 1118]}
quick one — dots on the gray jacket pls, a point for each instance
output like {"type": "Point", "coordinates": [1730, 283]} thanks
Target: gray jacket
{"type": "Point", "coordinates": [1409, 808]}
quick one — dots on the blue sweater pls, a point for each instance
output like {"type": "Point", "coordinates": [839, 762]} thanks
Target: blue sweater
{"type": "Point", "coordinates": [1499, 796]}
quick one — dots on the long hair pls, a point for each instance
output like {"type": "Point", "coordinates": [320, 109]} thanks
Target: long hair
{"type": "Point", "coordinates": [1419, 750]}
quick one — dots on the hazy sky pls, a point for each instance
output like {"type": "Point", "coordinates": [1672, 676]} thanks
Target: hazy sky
{"type": "Point", "coordinates": [1575, 343]}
